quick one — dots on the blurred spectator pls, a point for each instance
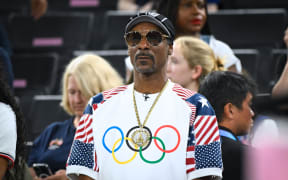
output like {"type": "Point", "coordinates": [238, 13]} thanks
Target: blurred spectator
{"type": "Point", "coordinates": [53, 145]}
{"type": "Point", "coordinates": [280, 89]}
{"type": "Point", "coordinates": [5, 57]}
{"type": "Point", "coordinates": [129, 71]}
{"type": "Point", "coordinates": [189, 17]}
{"type": "Point", "coordinates": [12, 148]}
{"type": "Point", "coordinates": [38, 8]}
{"type": "Point", "coordinates": [213, 5]}
{"type": "Point", "coordinates": [231, 94]}
{"type": "Point", "coordinates": [191, 60]}
{"type": "Point", "coordinates": [135, 5]}
{"type": "Point", "coordinates": [269, 160]}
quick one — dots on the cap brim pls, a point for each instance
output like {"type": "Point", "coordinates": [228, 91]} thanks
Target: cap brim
{"type": "Point", "coordinates": [149, 19]}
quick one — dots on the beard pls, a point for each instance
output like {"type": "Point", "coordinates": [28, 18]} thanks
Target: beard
{"type": "Point", "coordinates": [145, 63]}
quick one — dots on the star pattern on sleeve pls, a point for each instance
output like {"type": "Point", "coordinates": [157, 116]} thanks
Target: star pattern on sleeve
{"type": "Point", "coordinates": [203, 101]}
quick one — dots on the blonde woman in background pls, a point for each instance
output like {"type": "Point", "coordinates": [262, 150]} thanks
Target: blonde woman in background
{"type": "Point", "coordinates": [192, 59]}
{"type": "Point", "coordinates": [84, 77]}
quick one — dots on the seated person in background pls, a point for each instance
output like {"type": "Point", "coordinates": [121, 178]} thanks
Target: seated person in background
{"type": "Point", "coordinates": [191, 60]}
{"type": "Point", "coordinates": [281, 87]}
{"type": "Point", "coordinates": [38, 8]}
{"type": "Point", "coordinates": [135, 5]}
{"type": "Point", "coordinates": [230, 94]}
{"type": "Point", "coordinates": [189, 18]}
{"type": "Point", "coordinates": [5, 56]}
{"type": "Point", "coordinates": [12, 148]}
{"type": "Point", "coordinates": [213, 5]}
{"type": "Point", "coordinates": [84, 77]}
{"type": "Point", "coordinates": [129, 70]}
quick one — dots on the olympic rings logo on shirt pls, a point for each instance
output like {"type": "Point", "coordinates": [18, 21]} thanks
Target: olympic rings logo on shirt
{"type": "Point", "coordinates": [137, 148]}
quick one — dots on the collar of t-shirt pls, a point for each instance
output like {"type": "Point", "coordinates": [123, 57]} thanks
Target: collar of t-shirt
{"type": "Point", "coordinates": [144, 103]}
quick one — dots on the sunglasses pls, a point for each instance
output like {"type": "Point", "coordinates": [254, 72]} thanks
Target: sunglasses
{"type": "Point", "coordinates": [154, 38]}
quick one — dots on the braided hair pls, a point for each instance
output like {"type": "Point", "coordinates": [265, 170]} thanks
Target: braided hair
{"type": "Point", "coordinates": [7, 98]}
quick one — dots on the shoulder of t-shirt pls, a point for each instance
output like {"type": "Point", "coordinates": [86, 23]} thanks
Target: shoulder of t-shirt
{"type": "Point", "coordinates": [186, 94]}
{"type": "Point", "coordinates": [100, 98]}
{"type": "Point", "coordinates": [196, 99]}
{"type": "Point", "coordinates": [219, 42]}
{"type": "Point", "coordinates": [6, 110]}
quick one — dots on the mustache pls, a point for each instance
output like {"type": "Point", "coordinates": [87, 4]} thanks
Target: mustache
{"type": "Point", "coordinates": [144, 54]}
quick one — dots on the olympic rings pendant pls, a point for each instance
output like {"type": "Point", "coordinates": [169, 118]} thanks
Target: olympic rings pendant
{"type": "Point", "coordinates": [140, 137]}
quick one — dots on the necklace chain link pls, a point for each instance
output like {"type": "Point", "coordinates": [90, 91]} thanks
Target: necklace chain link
{"type": "Point", "coordinates": [150, 110]}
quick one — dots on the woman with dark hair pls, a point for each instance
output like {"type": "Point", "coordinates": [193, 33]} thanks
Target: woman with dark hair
{"type": "Point", "coordinates": [189, 18]}
{"type": "Point", "coordinates": [12, 165]}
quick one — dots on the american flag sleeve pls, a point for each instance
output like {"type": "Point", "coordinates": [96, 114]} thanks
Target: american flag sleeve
{"type": "Point", "coordinates": [82, 158]}
{"type": "Point", "coordinates": [204, 147]}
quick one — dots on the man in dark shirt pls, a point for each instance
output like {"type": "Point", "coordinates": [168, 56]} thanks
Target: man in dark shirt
{"type": "Point", "coordinates": [230, 94]}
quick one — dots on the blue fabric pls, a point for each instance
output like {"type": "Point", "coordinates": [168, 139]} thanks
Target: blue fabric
{"type": "Point", "coordinates": [5, 54]}
{"type": "Point", "coordinates": [4, 41]}
{"type": "Point", "coordinates": [208, 156]}
{"type": "Point", "coordinates": [227, 134]}
{"type": "Point", "coordinates": [202, 104]}
{"type": "Point", "coordinates": [141, 2]}
{"type": "Point", "coordinates": [205, 38]}
{"type": "Point", "coordinates": [6, 65]}
{"type": "Point", "coordinates": [213, 1]}
{"type": "Point", "coordinates": [44, 151]}
{"type": "Point", "coordinates": [79, 158]}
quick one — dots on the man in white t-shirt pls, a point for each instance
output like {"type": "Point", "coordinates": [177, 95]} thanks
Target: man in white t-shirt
{"type": "Point", "coordinates": [151, 129]}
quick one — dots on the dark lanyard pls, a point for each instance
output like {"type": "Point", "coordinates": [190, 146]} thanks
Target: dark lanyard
{"type": "Point", "coordinates": [227, 134]}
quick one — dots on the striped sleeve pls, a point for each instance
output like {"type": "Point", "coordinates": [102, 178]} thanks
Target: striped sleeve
{"type": "Point", "coordinates": [204, 149]}
{"type": "Point", "coordinates": [83, 158]}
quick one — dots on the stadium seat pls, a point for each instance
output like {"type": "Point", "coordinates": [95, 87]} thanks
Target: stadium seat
{"type": "Point", "coordinates": [114, 57]}
{"type": "Point", "coordinates": [114, 27]}
{"type": "Point", "coordinates": [57, 32]}
{"type": "Point", "coordinates": [34, 73]}
{"type": "Point", "coordinates": [13, 6]}
{"type": "Point", "coordinates": [82, 5]}
{"type": "Point", "coordinates": [239, 4]}
{"type": "Point", "coordinates": [249, 60]}
{"type": "Point", "coordinates": [45, 109]}
{"type": "Point", "coordinates": [249, 28]}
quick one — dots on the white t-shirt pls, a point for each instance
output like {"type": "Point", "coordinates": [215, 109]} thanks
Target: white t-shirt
{"type": "Point", "coordinates": [223, 51]}
{"type": "Point", "coordinates": [185, 138]}
{"type": "Point", "coordinates": [8, 133]}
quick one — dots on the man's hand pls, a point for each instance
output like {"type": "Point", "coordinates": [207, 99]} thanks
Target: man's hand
{"type": "Point", "coordinates": [38, 8]}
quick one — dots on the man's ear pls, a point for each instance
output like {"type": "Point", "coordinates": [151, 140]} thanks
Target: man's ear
{"type": "Point", "coordinates": [228, 110]}
{"type": "Point", "coordinates": [197, 71]}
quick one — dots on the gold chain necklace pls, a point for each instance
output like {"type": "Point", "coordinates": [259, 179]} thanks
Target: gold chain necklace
{"type": "Point", "coordinates": [141, 137]}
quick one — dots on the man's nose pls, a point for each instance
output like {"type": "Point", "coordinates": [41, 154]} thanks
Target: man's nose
{"type": "Point", "coordinates": [143, 44]}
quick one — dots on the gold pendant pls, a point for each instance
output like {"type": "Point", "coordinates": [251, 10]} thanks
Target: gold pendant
{"type": "Point", "coordinates": [141, 137]}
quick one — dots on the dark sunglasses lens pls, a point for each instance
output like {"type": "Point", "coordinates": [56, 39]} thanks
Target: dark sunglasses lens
{"type": "Point", "coordinates": [133, 38]}
{"type": "Point", "coordinates": [154, 38]}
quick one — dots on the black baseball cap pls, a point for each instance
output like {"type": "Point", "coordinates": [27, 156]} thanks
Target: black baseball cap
{"type": "Point", "coordinates": [152, 17]}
